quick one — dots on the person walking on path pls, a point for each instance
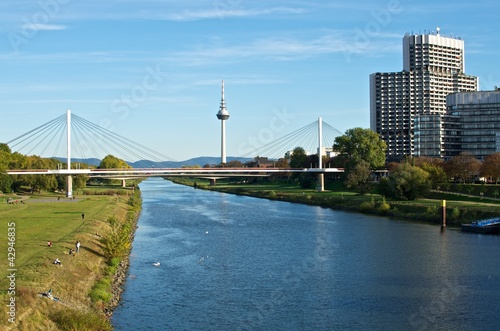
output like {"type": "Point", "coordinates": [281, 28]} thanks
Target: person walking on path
{"type": "Point", "coordinates": [77, 246]}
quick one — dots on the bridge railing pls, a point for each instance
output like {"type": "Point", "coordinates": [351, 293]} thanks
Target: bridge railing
{"type": "Point", "coordinates": [166, 171]}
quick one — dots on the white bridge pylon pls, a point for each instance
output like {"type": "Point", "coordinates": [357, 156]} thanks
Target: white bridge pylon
{"type": "Point", "coordinates": [69, 179]}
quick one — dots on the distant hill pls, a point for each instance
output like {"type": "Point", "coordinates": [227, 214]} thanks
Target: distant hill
{"type": "Point", "coordinates": [201, 161]}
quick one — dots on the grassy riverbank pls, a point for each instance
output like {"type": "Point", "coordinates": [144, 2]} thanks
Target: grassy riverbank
{"type": "Point", "coordinates": [460, 208]}
{"type": "Point", "coordinates": [40, 218]}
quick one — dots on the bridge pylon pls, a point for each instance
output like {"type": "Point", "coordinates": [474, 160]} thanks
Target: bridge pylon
{"type": "Point", "coordinates": [321, 176]}
{"type": "Point", "coordinates": [69, 179]}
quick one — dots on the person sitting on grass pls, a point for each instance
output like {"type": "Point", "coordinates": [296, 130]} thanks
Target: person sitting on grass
{"type": "Point", "coordinates": [49, 295]}
{"type": "Point", "coordinates": [57, 261]}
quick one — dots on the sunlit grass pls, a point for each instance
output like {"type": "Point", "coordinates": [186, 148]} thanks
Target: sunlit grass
{"type": "Point", "coordinates": [43, 218]}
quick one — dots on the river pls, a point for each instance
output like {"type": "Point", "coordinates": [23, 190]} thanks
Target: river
{"type": "Point", "coordinates": [230, 262]}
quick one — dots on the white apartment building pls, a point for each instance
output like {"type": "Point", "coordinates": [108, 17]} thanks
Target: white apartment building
{"type": "Point", "coordinates": [433, 67]}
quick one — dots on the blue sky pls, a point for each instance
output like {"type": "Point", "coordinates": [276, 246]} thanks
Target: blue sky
{"type": "Point", "coordinates": [151, 70]}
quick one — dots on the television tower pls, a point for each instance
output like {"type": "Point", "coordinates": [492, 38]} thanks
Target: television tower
{"type": "Point", "coordinates": [223, 115]}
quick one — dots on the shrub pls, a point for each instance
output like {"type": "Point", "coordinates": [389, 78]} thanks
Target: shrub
{"type": "Point", "coordinates": [101, 291]}
{"type": "Point", "coordinates": [384, 207]}
{"type": "Point", "coordinates": [455, 213]}
{"type": "Point", "coordinates": [432, 211]}
{"type": "Point", "coordinates": [69, 320]}
{"type": "Point", "coordinates": [365, 206]}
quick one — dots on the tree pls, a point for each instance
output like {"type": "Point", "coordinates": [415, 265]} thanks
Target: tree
{"type": "Point", "coordinates": [361, 144]}
{"type": "Point", "coordinates": [407, 182]}
{"type": "Point", "coordinates": [117, 243]}
{"type": "Point", "coordinates": [251, 164]}
{"type": "Point", "coordinates": [298, 159]}
{"type": "Point", "coordinates": [282, 163]}
{"type": "Point", "coordinates": [5, 148]}
{"type": "Point", "coordinates": [437, 175]}
{"type": "Point", "coordinates": [112, 162]}
{"type": "Point", "coordinates": [306, 180]}
{"type": "Point", "coordinates": [5, 183]}
{"type": "Point", "coordinates": [359, 178]}
{"type": "Point", "coordinates": [80, 181]}
{"type": "Point", "coordinates": [312, 161]}
{"type": "Point", "coordinates": [39, 182]}
{"type": "Point", "coordinates": [491, 167]}
{"type": "Point", "coordinates": [233, 164]}
{"type": "Point", "coordinates": [464, 166]}
{"type": "Point", "coordinates": [5, 156]}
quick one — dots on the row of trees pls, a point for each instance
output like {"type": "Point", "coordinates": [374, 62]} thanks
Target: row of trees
{"type": "Point", "coordinates": [361, 153]}
{"type": "Point", "coordinates": [35, 183]}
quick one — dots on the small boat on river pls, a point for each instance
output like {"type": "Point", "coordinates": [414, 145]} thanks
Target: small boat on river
{"type": "Point", "coordinates": [490, 226]}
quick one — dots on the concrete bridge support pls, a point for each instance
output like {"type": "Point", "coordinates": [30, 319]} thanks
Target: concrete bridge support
{"type": "Point", "coordinates": [321, 182]}
{"type": "Point", "coordinates": [124, 184]}
{"type": "Point", "coordinates": [69, 186]}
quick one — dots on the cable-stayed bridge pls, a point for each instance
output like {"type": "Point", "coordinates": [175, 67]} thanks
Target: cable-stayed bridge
{"type": "Point", "coordinates": [89, 140]}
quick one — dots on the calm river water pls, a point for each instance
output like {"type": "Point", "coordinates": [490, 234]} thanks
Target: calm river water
{"type": "Point", "coordinates": [239, 263]}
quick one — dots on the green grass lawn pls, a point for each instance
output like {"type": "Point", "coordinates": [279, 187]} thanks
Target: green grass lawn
{"type": "Point", "coordinates": [42, 218]}
{"type": "Point", "coordinates": [49, 219]}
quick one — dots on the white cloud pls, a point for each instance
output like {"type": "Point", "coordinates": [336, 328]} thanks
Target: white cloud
{"type": "Point", "coordinates": [43, 27]}
{"type": "Point", "coordinates": [228, 12]}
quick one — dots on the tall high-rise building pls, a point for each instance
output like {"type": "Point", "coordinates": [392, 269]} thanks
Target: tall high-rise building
{"type": "Point", "coordinates": [400, 102]}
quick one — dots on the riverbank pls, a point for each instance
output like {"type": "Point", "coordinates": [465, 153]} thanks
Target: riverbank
{"type": "Point", "coordinates": [459, 208]}
{"type": "Point", "coordinates": [48, 296]}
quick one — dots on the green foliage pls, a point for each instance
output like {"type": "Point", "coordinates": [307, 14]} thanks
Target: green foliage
{"type": "Point", "coordinates": [455, 214]}
{"type": "Point", "coordinates": [135, 200]}
{"type": "Point", "coordinates": [361, 144]}
{"type": "Point", "coordinates": [5, 183]}
{"type": "Point", "coordinates": [112, 162]}
{"type": "Point", "coordinates": [101, 291]}
{"type": "Point", "coordinates": [117, 243]}
{"type": "Point", "coordinates": [70, 320]}
{"type": "Point", "coordinates": [437, 175]}
{"type": "Point", "coordinates": [298, 159]}
{"type": "Point", "coordinates": [384, 207]}
{"type": "Point", "coordinates": [407, 182]}
{"type": "Point", "coordinates": [114, 262]}
{"type": "Point", "coordinates": [5, 148]}
{"type": "Point", "coordinates": [305, 181]}
{"type": "Point", "coordinates": [432, 210]}
{"type": "Point", "coordinates": [358, 178]}
{"type": "Point", "coordinates": [366, 206]}
{"type": "Point", "coordinates": [80, 181]}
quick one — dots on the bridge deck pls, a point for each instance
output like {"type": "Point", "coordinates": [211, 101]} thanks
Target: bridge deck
{"type": "Point", "coordinates": [146, 172]}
